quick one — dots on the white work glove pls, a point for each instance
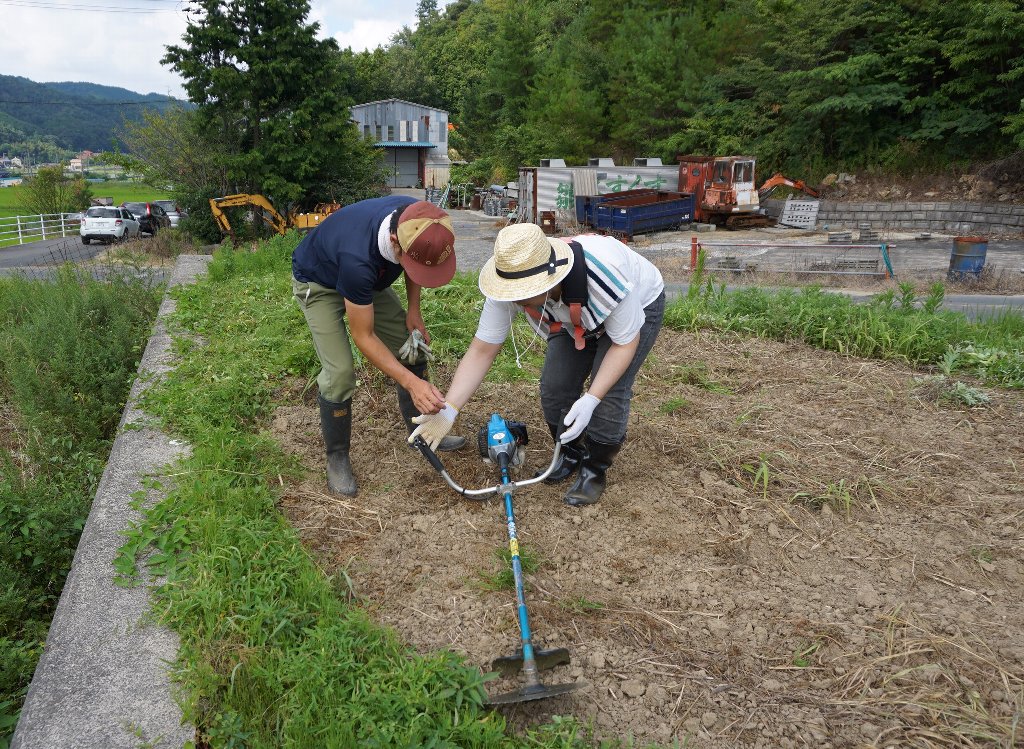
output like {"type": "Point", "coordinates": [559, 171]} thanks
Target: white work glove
{"type": "Point", "coordinates": [578, 417]}
{"type": "Point", "coordinates": [415, 346]}
{"type": "Point", "coordinates": [433, 427]}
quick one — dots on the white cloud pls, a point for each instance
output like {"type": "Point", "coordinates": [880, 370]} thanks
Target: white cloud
{"type": "Point", "coordinates": [367, 33]}
{"type": "Point", "coordinates": [124, 49]}
{"type": "Point", "coordinates": [115, 49]}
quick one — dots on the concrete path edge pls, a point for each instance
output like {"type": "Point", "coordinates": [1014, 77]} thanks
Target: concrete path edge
{"type": "Point", "coordinates": [103, 679]}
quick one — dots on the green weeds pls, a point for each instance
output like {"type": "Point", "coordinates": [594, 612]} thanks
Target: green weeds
{"type": "Point", "coordinates": [940, 389]}
{"type": "Point", "coordinates": [581, 605]}
{"type": "Point", "coordinates": [840, 496]}
{"type": "Point", "coordinates": [504, 579]}
{"type": "Point", "coordinates": [982, 554]}
{"type": "Point", "coordinates": [760, 474]}
{"type": "Point", "coordinates": [697, 375]}
{"type": "Point", "coordinates": [802, 658]}
{"type": "Point", "coordinates": [674, 405]}
{"type": "Point", "coordinates": [69, 350]}
{"type": "Point", "coordinates": [906, 328]}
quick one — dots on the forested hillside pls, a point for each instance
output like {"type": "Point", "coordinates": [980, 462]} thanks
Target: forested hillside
{"type": "Point", "coordinates": [47, 121]}
{"type": "Point", "coordinates": [806, 87]}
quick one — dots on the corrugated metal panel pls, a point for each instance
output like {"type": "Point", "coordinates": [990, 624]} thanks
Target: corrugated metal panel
{"type": "Point", "coordinates": [400, 101]}
{"type": "Point", "coordinates": [404, 165]}
{"type": "Point", "coordinates": [527, 212]}
{"type": "Point", "coordinates": [407, 144]}
{"type": "Point", "coordinates": [584, 182]}
{"type": "Point", "coordinates": [437, 175]}
{"type": "Point", "coordinates": [554, 190]}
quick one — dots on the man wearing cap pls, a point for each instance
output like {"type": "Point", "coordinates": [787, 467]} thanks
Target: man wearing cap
{"type": "Point", "coordinates": [343, 271]}
{"type": "Point", "coordinates": [600, 305]}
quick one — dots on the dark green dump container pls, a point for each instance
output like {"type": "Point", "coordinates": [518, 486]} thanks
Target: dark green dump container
{"type": "Point", "coordinates": [968, 257]}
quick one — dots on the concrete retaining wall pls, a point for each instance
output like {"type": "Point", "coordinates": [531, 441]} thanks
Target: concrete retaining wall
{"type": "Point", "coordinates": [103, 682]}
{"type": "Point", "coordinates": [944, 217]}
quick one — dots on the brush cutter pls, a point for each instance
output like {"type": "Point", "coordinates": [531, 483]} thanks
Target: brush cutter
{"type": "Point", "coordinates": [501, 443]}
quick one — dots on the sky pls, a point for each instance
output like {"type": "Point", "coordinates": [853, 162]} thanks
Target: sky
{"type": "Point", "coordinates": [120, 42]}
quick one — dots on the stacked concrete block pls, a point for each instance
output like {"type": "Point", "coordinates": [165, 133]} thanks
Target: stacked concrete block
{"type": "Point", "coordinates": [944, 217]}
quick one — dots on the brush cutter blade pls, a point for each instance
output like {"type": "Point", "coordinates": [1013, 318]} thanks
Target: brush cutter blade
{"type": "Point", "coordinates": [510, 665]}
{"type": "Point", "coordinates": [536, 692]}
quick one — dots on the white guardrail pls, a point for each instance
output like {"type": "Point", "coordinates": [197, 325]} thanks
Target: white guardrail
{"type": "Point", "coordinates": [22, 229]}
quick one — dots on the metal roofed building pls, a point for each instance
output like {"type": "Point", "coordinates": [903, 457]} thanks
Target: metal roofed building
{"type": "Point", "coordinates": [413, 139]}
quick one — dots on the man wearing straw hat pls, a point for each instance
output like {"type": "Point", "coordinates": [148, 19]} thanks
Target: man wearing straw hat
{"type": "Point", "coordinates": [344, 269]}
{"type": "Point", "coordinates": [600, 305]}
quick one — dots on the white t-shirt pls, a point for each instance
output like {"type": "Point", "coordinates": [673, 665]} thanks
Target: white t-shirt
{"type": "Point", "coordinates": [620, 283]}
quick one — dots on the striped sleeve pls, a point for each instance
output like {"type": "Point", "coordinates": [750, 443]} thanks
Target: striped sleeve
{"type": "Point", "coordinates": [607, 287]}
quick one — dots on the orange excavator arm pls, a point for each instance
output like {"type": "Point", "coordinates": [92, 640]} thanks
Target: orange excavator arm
{"type": "Point", "coordinates": [778, 180]}
{"type": "Point", "coordinates": [261, 206]}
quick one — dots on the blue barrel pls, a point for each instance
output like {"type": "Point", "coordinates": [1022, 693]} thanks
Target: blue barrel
{"type": "Point", "coordinates": [968, 257]}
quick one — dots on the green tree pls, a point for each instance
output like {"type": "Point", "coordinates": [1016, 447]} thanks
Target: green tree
{"type": "Point", "coordinates": [50, 191]}
{"type": "Point", "coordinates": [269, 95]}
{"type": "Point", "coordinates": [172, 152]}
{"type": "Point", "coordinates": [566, 108]}
{"type": "Point", "coordinates": [426, 11]}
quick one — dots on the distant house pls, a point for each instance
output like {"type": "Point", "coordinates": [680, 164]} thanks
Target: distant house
{"type": "Point", "coordinates": [412, 138]}
{"type": "Point", "coordinates": [75, 165]}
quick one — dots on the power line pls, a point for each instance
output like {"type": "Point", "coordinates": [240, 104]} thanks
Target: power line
{"type": "Point", "coordinates": [34, 4]}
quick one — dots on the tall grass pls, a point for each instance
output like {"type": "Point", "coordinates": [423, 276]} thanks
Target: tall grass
{"type": "Point", "coordinates": [891, 326]}
{"type": "Point", "coordinates": [271, 654]}
{"type": "Point", "coordinates": [69, 350]}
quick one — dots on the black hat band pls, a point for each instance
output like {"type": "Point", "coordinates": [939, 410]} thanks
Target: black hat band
{"type": "Point", "coordinates": [550, 266]}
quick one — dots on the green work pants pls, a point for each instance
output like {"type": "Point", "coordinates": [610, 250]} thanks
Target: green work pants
{"type": "Point", "coordinates": [324, 309]}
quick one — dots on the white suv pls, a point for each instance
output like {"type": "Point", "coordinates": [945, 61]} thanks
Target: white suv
{"type": "Point", "coordinates": [108, 224]}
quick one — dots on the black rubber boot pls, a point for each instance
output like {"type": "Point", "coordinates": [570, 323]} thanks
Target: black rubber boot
{"type": "Point", "coordinates": [589, 485]}
{"type": "Point", "coordinates": [409, 410]}
{"type": "Point", "coordinates": [568, 460]}
{"type": "Point", "coordinates": [336, 425]}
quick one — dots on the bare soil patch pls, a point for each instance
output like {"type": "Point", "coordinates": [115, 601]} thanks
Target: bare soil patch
{"type": "Point", "coordinates": [1000, 180]}
{"type": "Point", "coordinates": [795, 549]}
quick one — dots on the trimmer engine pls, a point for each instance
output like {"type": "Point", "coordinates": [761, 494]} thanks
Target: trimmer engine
{"type": "Point", "coordinates": [502, 437]}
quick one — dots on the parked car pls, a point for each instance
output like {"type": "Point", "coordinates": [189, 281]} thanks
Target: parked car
{"type": "Point", "coordinates": [151, 216]}
{"type": "Point", "coordinates": [107, 224]}
{"type": "Point", "coordinates": [174, 213]}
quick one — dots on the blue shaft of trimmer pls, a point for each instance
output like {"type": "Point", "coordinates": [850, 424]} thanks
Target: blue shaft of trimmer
{"type": "Point", "coordinates": [517, 573]}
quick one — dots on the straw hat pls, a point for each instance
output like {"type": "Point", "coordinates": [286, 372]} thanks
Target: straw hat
{"type": "Point", "coordinates": [525, 263]}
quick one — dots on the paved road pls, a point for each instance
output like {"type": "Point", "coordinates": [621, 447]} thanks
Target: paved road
{"type": "Point", "coordinates": [45, 252]}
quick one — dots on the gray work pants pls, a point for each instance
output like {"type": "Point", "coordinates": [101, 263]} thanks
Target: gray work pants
{"type": "Point", "coordinates": [566, 370]}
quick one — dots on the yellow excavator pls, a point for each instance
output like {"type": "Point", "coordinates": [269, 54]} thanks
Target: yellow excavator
{"type": "Point", "coordinates": [262, 209]}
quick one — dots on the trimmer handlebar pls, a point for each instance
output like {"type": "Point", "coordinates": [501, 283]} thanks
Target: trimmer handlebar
{"type": "Point", "coordinates": [511, 486]}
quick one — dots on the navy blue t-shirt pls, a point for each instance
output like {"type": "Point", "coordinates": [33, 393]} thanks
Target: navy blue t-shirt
{"type": "Point", "coordinates": [342, 251]}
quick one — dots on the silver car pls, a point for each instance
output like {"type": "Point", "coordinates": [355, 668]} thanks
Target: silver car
{"type": "Point", "coordinates": [108, 224]}
{"type": "Point", "coordinates": [174, 213]}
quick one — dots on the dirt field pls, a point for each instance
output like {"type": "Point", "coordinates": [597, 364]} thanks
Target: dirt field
{"type": "Point", "coordinates": [796, 549]}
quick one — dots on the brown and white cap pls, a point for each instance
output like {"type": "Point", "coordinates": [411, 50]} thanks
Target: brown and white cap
{"type": "Point", "coordinates": [428, 244]}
